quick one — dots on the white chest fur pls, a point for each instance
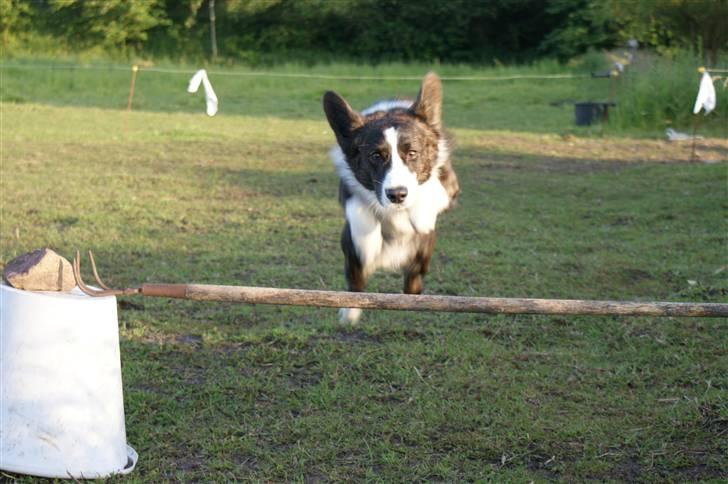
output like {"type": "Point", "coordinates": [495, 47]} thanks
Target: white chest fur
{"type": "Point", "coordinates": [432, 199]}
{"type": "Point", "coordinates": [384, 238]}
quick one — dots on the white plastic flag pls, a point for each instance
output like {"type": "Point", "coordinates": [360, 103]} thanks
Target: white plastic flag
{"type": "Point", "coordinates": [210, 97]}
{"type": "Point", "coordinates": [706, 95]}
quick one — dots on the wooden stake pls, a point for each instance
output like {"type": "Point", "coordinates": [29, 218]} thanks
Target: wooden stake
{"type": "Point", "coordinates": [134, 70]}
{"type": "Point", "coordinates": [696, 123]}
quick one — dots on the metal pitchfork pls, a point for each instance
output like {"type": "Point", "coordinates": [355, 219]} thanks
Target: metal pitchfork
{"type": "Point", "coordinates": [404, 302]}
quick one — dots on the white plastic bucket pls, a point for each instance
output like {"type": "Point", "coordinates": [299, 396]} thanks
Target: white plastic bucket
{"type": "Point", "coordinates": [61, 400]}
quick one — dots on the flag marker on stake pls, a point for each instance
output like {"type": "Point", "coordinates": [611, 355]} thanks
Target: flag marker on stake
{"type": "Point", "coordinates": [200, 77]}
{"type": "Point", "coordinates": [704, 101]}
{"type": "Point", "coordinates": [706, 93]}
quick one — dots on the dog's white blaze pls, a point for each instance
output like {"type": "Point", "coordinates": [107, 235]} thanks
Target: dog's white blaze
{"type": "Point", "coordinates": [399, 175]}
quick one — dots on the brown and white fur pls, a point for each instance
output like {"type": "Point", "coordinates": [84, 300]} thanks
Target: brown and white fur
{"type": "Point", "coordinates": [393, 161]}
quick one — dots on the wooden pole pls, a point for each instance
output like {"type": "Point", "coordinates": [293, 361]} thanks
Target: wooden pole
{"type": "Point", "coordinates": [405, 302]}
{"type": "Point", "coordinates": [134, 70]}
{"type": "Point", "coordinates": [213, 34]}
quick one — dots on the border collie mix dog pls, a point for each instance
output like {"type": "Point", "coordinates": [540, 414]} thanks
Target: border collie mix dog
{"type": "Point", "coordinates": [393, 161]}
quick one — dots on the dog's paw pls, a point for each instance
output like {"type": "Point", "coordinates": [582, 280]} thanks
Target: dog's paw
{"type": "Point", "coordinates": [349, 315]}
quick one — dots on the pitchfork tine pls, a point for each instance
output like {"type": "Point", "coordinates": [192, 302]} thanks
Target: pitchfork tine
{"type": "Point", "coordinates": [106, 291]}
{"type": "Point", "coordinates": [77, 275]}
{"type": "Point", "coordinates": [79, 280]}
{"type": "Point", "coordinates": [96, 274]}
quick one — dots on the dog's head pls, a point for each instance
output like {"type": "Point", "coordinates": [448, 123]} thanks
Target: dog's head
{"type": "Point", "coordinates": [391, 152]}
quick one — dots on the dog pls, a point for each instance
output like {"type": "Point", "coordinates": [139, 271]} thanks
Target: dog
{"type": "Point", "coordinates": [393, 162]}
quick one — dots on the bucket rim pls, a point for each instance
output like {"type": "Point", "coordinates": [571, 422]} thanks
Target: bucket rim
{"type": "Point", "coordinates": [75, 292]}
{"type": "Point", "coordinates": [131, 460]}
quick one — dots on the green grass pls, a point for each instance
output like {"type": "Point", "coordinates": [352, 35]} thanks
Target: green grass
{"type": "Point", "coordinates": [217, 392]}
{"type": "Point", "coordinates": [533, 105]}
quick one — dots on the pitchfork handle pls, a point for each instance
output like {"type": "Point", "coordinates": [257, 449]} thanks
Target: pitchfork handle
{"type": "Point", "coordinates": [178, 291]}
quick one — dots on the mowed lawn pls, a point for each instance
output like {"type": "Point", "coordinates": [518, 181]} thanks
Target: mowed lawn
{"type": "Point", "coordinates": [217, 392]}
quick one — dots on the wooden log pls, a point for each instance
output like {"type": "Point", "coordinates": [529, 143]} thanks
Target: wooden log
{"type": "Point", "coordinates": [404, 302]}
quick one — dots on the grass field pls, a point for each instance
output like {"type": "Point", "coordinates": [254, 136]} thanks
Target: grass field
{"type": "Point", "coordinates": [217, 392]}
{"type": "Point", "coordinates": [527, 103]}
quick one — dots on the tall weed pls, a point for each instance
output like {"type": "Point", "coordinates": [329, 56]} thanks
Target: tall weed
{"type": "Point", "coordinates": [656, 93]}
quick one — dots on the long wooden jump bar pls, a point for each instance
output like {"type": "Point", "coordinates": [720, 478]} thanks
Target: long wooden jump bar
{"type": "Point", "coordinates": [406, 302]}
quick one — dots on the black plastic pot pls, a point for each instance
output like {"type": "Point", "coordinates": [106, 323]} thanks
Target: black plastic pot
{"type": "Point", "coordinates": [588, 112]}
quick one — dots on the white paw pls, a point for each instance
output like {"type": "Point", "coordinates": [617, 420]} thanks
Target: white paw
{"type": "Point", "coordinates": [349, 315]}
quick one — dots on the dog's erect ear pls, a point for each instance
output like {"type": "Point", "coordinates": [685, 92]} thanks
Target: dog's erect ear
{"type": "Point", "coordinates": [428, 105]}
{"type": "Point", "coordinates": [342, 119]}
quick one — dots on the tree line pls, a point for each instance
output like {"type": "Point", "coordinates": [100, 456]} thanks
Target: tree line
{"type": "Point", "coordinates": [478, 31]}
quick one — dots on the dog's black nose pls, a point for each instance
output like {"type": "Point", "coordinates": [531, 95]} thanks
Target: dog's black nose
{"type": "Point", "coordinates": [396, 194]}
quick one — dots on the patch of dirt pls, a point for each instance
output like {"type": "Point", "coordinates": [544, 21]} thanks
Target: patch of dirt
{"type": "Point", "coordinates": [636, 275]}
{"type": "Point", "coordinates": [702, 472]}
{"type": "Point", "coordinates": [406, 334]}
{"type": "Point", "coordinates": [628, 470]}
{"type": "Point", "coordinates": [569, 154]}
{"type": "Point", "coordinates": [631, 470]}
{"type": "Point", "coordinates": [188, 341]}
{"type": "Point", "coordinates": [712, 418]}
{"type": "Point", "coordinates": [548, 165]}
{"type": "Point", "coordinates": [302, 377]}
{"type": "Point", "coordinates": [130, 306]}
{"type": "Point", "coordinates": [313, 478]}
{"type": "Point", "coordinates": [192, 375]}
{"type": "Point", "coordinates": [246, 462]}
{"type": "Point", "coordinates": [186, 464]}
{"type": "Point", "coordinates": [574, 167]}
{"type": "Point", "coordinates": [147, 388]}
{"type": "Point", "coordinates": [194, 340]}
{"type": "Point", "coordinates": [541, 464]}
{"type": "Point", "coordinates": [354, 336]}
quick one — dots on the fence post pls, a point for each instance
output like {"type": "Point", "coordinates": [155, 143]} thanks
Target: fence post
{"type": "Point", "coordinates": [134, 70]}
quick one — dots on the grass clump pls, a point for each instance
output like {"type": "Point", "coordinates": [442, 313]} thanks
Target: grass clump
{"type": "Point", "coordinates": [659, 92]}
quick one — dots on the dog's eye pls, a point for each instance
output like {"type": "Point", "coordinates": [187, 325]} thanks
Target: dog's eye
{"type": "Point", "coordinates": [412, 155]}
{"type": "Point", "coordinates": [375, 157]}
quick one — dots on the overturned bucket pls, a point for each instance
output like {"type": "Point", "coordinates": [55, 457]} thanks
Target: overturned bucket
{"type": "Point", "coordinates": [61, 400]}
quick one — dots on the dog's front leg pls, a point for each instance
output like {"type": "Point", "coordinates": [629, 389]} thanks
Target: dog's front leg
{"type": "Point", "coordinates": [414, 274]}
{"type": "Point", "coordinates": [356, 279]}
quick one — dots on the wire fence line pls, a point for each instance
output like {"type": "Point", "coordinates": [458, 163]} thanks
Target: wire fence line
{"type": "Point", "coordinates": [295, 75]}
{"type": "Point", "coordinates": [302, 75]}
